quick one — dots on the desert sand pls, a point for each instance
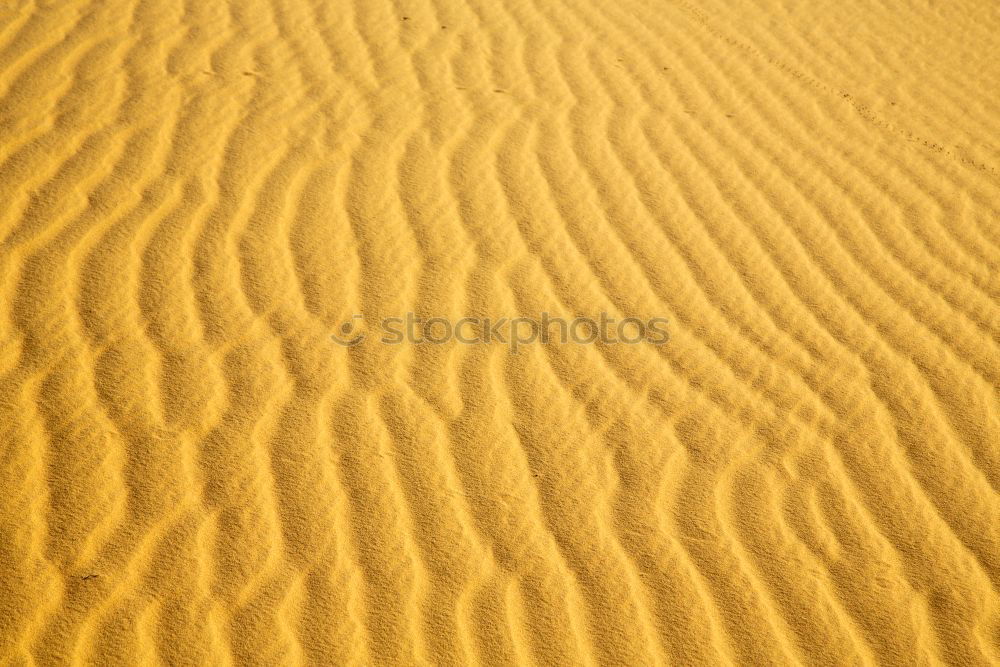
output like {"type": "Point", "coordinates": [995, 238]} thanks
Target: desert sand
{"type": "Point", "coordinates": [196, 195]}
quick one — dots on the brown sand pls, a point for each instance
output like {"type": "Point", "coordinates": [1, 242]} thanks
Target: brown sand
{"type": "Point", "coordinates": [194, 194]}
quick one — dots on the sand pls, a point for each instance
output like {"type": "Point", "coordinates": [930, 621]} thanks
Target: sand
{"type": "Point", "coordinates": [196, 195]}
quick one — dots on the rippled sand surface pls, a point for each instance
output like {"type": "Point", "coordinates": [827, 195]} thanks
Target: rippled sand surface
{"type": "Point", "coordinates": [196, 194]}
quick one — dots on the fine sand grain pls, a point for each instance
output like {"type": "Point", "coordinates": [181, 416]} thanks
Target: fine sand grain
{"type": "Point", "coordinates": [196, 194]}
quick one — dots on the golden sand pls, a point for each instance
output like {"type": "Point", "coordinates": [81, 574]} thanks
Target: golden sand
{"type": "Point", "coordinates": [195, 194]}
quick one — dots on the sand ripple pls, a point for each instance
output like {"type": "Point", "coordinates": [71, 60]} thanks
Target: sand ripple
{"type": "Point", "coordinates": [196, 194]}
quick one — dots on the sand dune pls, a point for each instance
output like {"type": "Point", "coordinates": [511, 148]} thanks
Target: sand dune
{"type": "Point", "coordinates": [197, 195]}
